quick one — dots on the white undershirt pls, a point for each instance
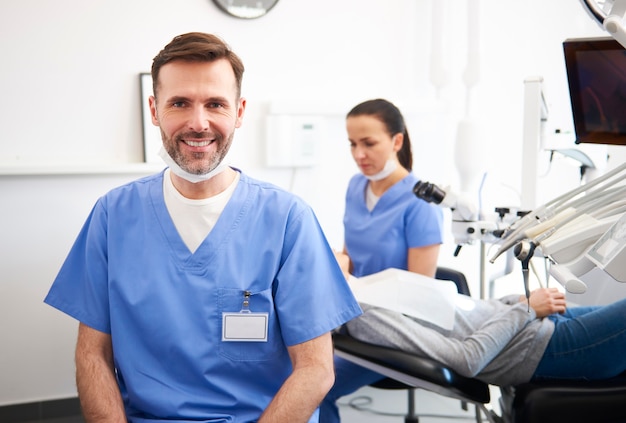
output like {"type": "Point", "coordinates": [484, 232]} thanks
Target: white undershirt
{"type": "Point", "coordinates": [194, 219]}
{"type": "Point", "coordinates": [370, 198]}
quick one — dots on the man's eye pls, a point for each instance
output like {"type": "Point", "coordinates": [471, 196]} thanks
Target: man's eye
{"type": "Point", "coordinates": [215, 105]}
{"type": "Point", "coordinates": [178, 104]}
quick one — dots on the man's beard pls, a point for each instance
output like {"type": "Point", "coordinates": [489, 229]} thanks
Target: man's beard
{"type": "Point", "coordinates": [197, 163]}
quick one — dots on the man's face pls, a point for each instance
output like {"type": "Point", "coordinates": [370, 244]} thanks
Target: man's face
{"type": "Point", "coordinates": [197, 110]}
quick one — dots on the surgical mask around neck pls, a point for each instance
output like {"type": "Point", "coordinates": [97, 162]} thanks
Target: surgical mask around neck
{"type": "Point", "coordinates": [191, 177]}
{"type": "Point", "coordinates": [390, 166]}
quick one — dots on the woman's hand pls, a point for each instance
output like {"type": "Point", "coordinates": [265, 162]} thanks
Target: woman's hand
{"type": "Point", "coordinates": [546, 301]}
{"type": "Point", "coordinates": [344, 263]}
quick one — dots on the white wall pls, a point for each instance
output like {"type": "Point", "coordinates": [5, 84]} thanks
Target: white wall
{"type": "Point", "coordinates": [70, 95]}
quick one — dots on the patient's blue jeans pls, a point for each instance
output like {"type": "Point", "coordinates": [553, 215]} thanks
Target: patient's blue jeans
{"type": "Point", "coordinates": [350, 377]}
{"type": "Point", "coordinates": [588, 343]}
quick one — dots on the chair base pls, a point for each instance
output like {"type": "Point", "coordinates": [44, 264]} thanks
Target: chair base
{"type": "Point", "coordinates": [566, 401]}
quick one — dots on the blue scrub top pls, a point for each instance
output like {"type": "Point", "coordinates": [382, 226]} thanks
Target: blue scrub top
{"type": "Point", "coordinates": [379, 239]}
{"type": "Point", "coordinates": [130, 274]}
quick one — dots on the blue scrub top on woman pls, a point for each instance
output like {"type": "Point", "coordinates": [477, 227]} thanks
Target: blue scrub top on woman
{"type": "Point", "coordinates": [380, 239]}
{"type": "Point", "coordinates": [129, 274]}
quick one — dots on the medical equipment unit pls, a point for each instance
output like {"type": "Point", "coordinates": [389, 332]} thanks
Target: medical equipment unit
{"type": "Point", "coordinates": [582, 233]}
{"type": "Point", "coordinates": [577, 232]}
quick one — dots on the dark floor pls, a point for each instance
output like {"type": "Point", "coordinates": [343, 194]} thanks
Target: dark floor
{"type": "Point", "coordinates": [68, 419]}
{"type": "Point", "coordinates": [54, 411]}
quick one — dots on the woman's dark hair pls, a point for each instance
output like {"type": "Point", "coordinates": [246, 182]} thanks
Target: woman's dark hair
{"type": "Point", "coordinates": [390, 115]}
{"type": "Point", "coordinates": [197, 47]}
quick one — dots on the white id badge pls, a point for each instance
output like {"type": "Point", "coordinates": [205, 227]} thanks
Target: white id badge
{"type": "Point", "coordinates": [244, 327]}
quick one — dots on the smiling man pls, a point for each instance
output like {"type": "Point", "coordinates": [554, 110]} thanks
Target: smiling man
{"type": "Point", "coordinates": [202, 294]}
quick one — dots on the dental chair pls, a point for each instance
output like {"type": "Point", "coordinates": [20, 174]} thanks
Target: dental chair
{"type": "Point", "coordinates": [534, 402]}
{"type": "Point", "coordinates": [411, 372]}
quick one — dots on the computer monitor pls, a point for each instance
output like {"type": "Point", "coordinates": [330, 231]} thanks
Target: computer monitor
{"type": "Point", "coordinates": [596, 73]}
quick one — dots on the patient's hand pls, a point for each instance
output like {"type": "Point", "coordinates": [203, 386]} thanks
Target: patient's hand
{"type": "Point", "coordinates": [344, 263]}
{"type": "Point", "coordinates": [546, 301]}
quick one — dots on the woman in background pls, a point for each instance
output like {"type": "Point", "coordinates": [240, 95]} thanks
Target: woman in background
{"type": "Point", "coordinates": [385, 224]}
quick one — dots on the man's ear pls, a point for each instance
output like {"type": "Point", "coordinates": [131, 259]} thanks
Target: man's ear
{"type": "Point", "coordinates": [153, 110]}
{"type": "Point", "coordinates": [241, 108]}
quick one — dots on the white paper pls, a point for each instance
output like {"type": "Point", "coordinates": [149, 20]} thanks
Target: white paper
{"type": "Point", "coordinates": [428, 299]}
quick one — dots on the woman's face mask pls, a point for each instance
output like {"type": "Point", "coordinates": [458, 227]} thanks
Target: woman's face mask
{"type": "Point", "coordinates": [390, 166]}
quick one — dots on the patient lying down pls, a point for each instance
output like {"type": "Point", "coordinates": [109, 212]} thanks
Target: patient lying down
{"type": "Point", "coordinates": [503, 342]}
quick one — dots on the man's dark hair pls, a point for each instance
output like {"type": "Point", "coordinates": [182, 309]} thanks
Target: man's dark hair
{"type": "Point", "coordinates": [196, 47]}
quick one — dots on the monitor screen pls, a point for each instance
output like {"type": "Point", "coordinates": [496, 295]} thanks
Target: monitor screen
{"type": "Point", "coordinates": [596, 73]}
